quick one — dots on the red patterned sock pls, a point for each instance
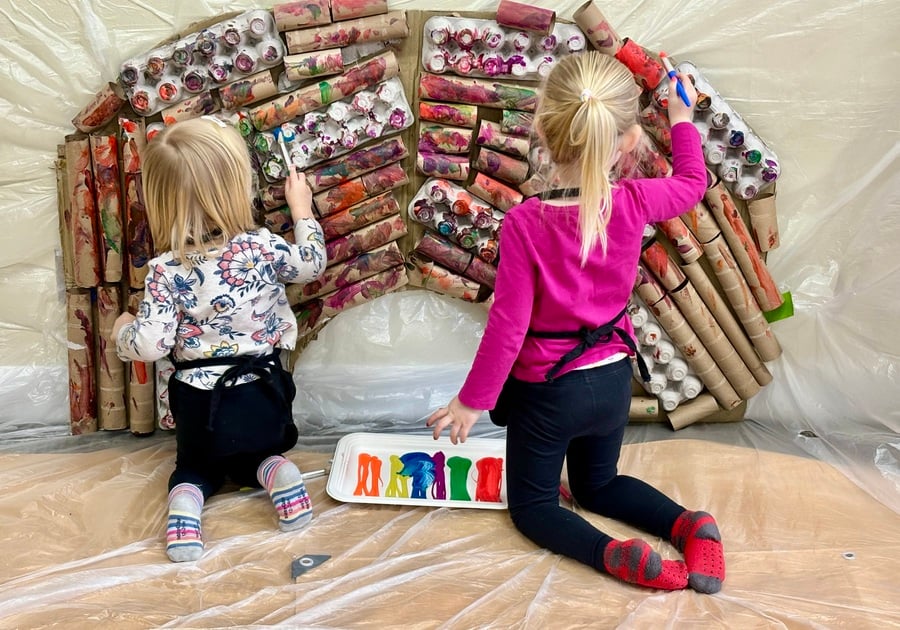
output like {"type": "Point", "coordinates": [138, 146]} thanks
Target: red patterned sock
{"type": "Point", "coordinates": [636, 562]}
{"type": "Point", "coordinates": [696, 535]}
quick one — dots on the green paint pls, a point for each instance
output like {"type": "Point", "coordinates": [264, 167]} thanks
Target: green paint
{"type": "Point", "coordinates": [782, 312]}
{"type": "Point", "coordinates": [459, 478]}
{"type": "Point", "coordinates": [325, 92]}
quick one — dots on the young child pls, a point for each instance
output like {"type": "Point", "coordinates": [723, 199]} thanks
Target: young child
{"type": "Point", "coordinates": [215, 304]}
{"type": "Point", "coordinates": [567, 267]}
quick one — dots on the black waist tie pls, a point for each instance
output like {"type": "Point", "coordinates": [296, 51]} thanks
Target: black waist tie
{"type": "Point", "coordinates": [589, 339]}
{"type": "Point", "coordinates": [265, 366]}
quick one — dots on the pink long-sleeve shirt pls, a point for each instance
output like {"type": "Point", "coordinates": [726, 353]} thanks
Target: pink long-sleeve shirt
{"type": "Point", "coordinates": [541, 284]}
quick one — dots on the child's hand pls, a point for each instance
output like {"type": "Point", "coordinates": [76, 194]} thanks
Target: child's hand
{"type": "Point", "coordinates": [678, 111]}
{"type": "Point", "coordinates": [122, 320]}
{"type": "Point", "coordinates": [298, 195]}
{"type": "Point", "coordinates": [457, 416]}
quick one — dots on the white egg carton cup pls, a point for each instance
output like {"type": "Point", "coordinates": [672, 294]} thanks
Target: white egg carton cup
{"type": "Point", "coordinates": [208, 59]}
{"type": "Point", "coordinates": [672, 380]}
{"type": "Point", "coordinates": [745, 164]}
{"type": "Point", "coordinates": [482, 48]}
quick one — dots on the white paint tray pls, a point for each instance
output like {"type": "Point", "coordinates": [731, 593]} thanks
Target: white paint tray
{"type": "Point", "coordinates": [434, 473]}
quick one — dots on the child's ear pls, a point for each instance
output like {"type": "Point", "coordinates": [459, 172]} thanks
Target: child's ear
{"type": "Point", "coordinates": [630, 138]}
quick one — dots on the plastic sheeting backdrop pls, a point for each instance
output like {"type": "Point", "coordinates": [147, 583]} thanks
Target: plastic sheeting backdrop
{"type": "Point", "coordinates": [824, 104]}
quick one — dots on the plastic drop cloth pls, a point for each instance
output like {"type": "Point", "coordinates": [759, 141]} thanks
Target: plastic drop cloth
{"type": "Point", "coordinates": [811, 473]}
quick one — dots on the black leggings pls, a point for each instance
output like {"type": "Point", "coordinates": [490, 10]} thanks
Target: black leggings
{"type": "Point", "coordinates": [580, 418]}
{"type": "Point", "coordinates": [250, 425]}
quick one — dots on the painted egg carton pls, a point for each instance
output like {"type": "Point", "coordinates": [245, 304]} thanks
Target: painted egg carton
{"type": "Point", "coordinates": [482, 48]}
{"type": "Point", "coordinates": [334, 129]}
{"type": "Point", "coordinates": [209, 58]}
{"type": "Point", "coordinates": [672, 380]}
{"type": "Point", "coordinates": [732, 150]}
{"type": "Point", "coordinates": [457, 214]}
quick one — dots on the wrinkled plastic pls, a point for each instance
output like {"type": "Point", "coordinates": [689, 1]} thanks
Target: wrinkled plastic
{"type": "Point", "coordinates": [818, 447]}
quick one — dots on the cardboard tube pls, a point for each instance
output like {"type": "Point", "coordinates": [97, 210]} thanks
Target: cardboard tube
{"type": "Point", "coordinates": [354, 79]}
{"type": "Point", "coordinates": [456, 259]}
{"type": "Point", "coordinates": [351, 9]}
{"type": "Point", "coordinates": [364, 290]}
{"type": "Point", "coordinates": [657, 261]}
{"type": "Point", "coordinates": [132, 140]}
{"type": "Point", "coordinates": [354, 191]}
{"type": "Point", "coordinates": [516, 123]}
{"type": "Point", "coordinates": [456, 114]}
{"type": "Point", "coordinates": [138, 241]}
{"type": "Point", "coordinates": [656, 123]}
{"type": "Point", "coordinates": [597, 29]}
{"type": "Point", "coordinates": [108, 198]}
{"type": "Point", "coordinates": [374, 28]}
{"type": "Point", "coordinates": [442, 139]}
{"type": "Point", "coordinates": [428, 274]}
{"type": "Point", "coordinates": [101, 109]}
{"type": "Point", "coordinates": [682, 239]}
{"type": "Point", "coordinates": [111, 408]}
{"type": "Point", "coordinates": [495, 192]}
{"type": "Point", "coordinates": [685, 339]}
{"type": "Point", "coordinates": [744, 249]}
{"type": "Point", "coordinates": [525, 17]}
{"type": "Point", "coordinates": [359, 267]}
{"type": "Point", "coordinates": [644, 409]}
{"type": "Point", "coordinates": [292, 15]}
{"type": "Point", "coordinates": [501, 166]}
{"type": "Point", "coordinates": [730, 325]}
{"type": "Point", "coordinates": [317, 63]}
{"type": "Point", "coordinates": [80, 337]}
{"type": "Point", "coordinates": [480, 92]}
{"type": "Point", "coordinates": [198, 105]}
{"type": "Point", "coordinates": [455, 167]}
{"type": "Point", "coordinates": [365, 239]}
{"type": "Point", "coordinates": [141, 406]}
{"type": "Point", "coordinates": [81, 220]}
{"type": "Point", "coordinates": [356, 163]}
{"type": "Point", "coordinates": [360, 215]}
{"type": "Point", "coordinates": [764, 221]}
{"type": "Point", "coordinates": [490, 135]}
{"type": "Point", "coordinates": [244, 92]}
{"type": "Point", "coordinates": [692, 411]}
{"type": "Point", "coordinates": [646, 69]}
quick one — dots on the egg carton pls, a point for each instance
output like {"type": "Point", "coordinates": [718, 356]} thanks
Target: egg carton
{"type": "Point", "coordinates": [745, 164]}
{"type": "Point", "coordinates": [672, 380]}
{"type": "Point", "coordinates": [210, 58]}
{"type": "Point", "coordinates": [455, 213]}
{"type": "Point", "coordinates": [334, 129]}
{"type": "Point", "coordinates": [482, 48]}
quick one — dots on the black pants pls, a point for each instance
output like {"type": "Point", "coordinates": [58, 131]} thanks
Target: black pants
{"type": "Point", "coordinates": [251, 424]}
{"type": "Point", "coordinates": [580, 418]}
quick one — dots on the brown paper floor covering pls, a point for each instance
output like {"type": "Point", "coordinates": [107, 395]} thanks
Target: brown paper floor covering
{"type": "Point", "coordinates": [83, 547]}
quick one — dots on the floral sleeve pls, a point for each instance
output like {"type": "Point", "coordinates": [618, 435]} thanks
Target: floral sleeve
{"type": "Point", "coordinates": [152, 334]}
{"type": "Point", "coordinates": [304, 261]}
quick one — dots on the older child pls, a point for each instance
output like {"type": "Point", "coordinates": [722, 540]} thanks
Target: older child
{"type": "Point", "coordinates": [568, 264]}
{"type": "Point", "coordinates": [215, 304]}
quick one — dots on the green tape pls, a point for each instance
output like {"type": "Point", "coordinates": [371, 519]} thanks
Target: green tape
{"type": "Point", "coordinates": [782, 312]}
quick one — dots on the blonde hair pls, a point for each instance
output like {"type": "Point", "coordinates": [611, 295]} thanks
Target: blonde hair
{"type": "Point", "coordinates": [586, 102]}
{"type": "Point", "coordinates": [197, 186]}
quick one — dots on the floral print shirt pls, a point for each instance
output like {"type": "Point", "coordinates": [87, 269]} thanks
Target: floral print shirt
{"type": "Point", "coordinates": [231, 302]}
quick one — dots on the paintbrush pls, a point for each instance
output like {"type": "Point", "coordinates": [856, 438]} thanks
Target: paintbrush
{"type": "Point", "coordinates": [282, 135]}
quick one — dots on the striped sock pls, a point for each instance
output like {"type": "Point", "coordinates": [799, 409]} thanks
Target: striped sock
{"type": "Point", "coordinates": [696, 535]}
{"type": "Point", "coordinates": [636, 562]}
{"type": "Point", "coordinates": [183, 537]}
{"type": "Point", "coordinates": [284, 483]}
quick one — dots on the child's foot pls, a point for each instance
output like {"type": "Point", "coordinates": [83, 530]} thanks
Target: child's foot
{"type": "Point", "coordinates": [183, 536]}
{"type": "Point", "coordinates": [636, 562]}
{"type": "Point", "coordinates": [696, 535]}
{"type": "Point", "coordinates": [284, 483]}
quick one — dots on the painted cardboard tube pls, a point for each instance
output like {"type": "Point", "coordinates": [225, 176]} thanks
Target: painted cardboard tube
{"type": "Point", "coordinates": [373, 28]}
{"type": "Point", "coordinates": [501, 166]}
{"type": "Point", "coordinates": [141, 386]}
{"type": "Point", "coordinates": [764, 221]}
{"type": "Point", "coordinates": [359, 267]}
{"type": "Point", "coordinates": [314, 63]}
{"type": "Point", "coordinates": [428, 274]}
{"type": "Point", "coordinates": [455, 114]}
{"type": "Point", "coordinates": [495, 192]}
{"type": "Point", "coordinates": [456, 259]}
{"type": "Point", "coordinates": [365, 239]}
{"type": "Point", "coordinates": [351, 9]}
{"type": "Point", "coordinates": [80, 347]}
{"type": "Point", "coordinates": [293, 15]}
{"type": "Point", "coordinates": [480, 92]}
{"type": "Point", "coordinates": [111, 408]}
{"type": "Point", "coordinates": [742, 246]}
{"type": "Point", "coordinates": [491, 135]}
{"type": "Point", "coordinates": [525, 17]}
{"type": "Point", "coordinates": [355, 163]}
{"type": "Point", "coordinates": [596, 27]}
{"type": "Point", "coordinates": [101, 109]}
{"type": "Point", "coordinates": [249, 90]}
{"type": "Point", "coordinates": [108, 199]}
{"type": "Point", "coordinates": [644, 409]}
{"type": "Point", "coordinates": [80, 220]}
